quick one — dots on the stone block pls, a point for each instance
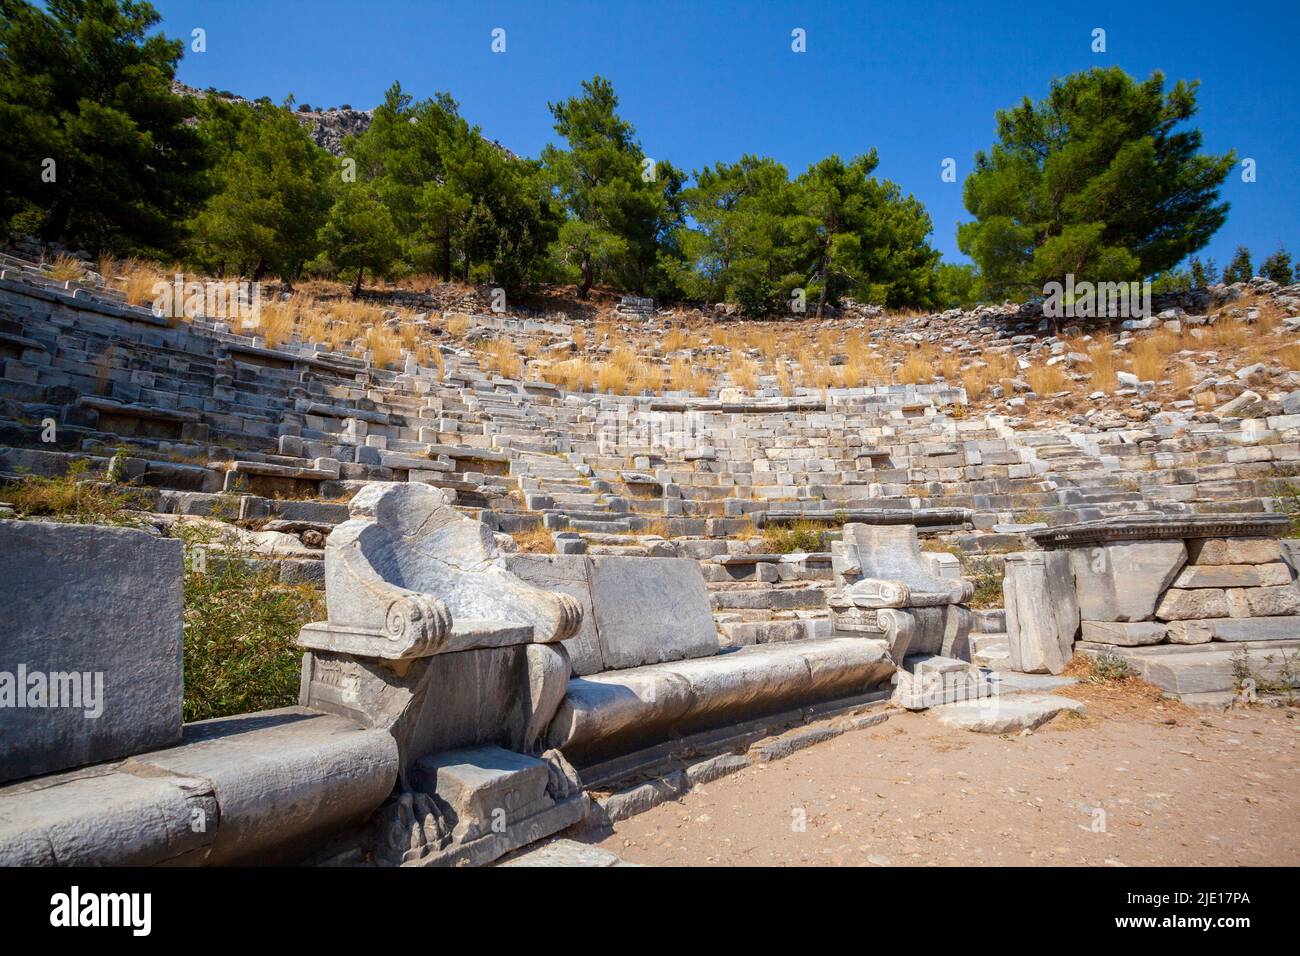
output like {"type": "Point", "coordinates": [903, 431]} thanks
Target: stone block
{"type": "Point", "coordinates": [1006, 715]}
{"type": "Point", "coordinates": [1234, 550]}
{"type": "Point", "coordinates": [90, 649]}
{"type": "Point", "coordinates": [1182, 604]}
{"type": "Point", "coordinates": [1125, 633]}
{"type": "Point", "coordinates": [1123, 581]}
{"type": "Point", "coordinates": [1246, 628]}
{"type": "Point", "coordinates": [1264, 602]}
{"type": "Point", "coordinates": [1189, 632]}
{"type": "Point", "coordinates": [484, 785]}
{"type": "Point", "coordinates": [567, 574]}
{"type": "Point", "coordinates": [1233, 575]}
{"type": "Point", "coordinates": [650, 610]}
{"type": "Point", "coordinates": [1042, 610]}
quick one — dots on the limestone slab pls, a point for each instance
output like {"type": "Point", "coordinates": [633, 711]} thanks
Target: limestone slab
{"type": "Point", "coordinates": [1006, 714]}
{"type": "Point", "coordinates": [650, 610]}
{"type": "Point", "coordinates": [567, 573]}
{"type": "Point", "coordinates": [90, 647]}
{"type": "Point", "coordinates": [1042, 610]}
{"type": "Point", "coordinates": [1183, 604]}
{"type": "Point", "coordinates": [1124, 633]}
{"type": "Point", "coordinates": [1234, 550]}
{"type": "Point", "coordinates": [1264, 602]}
{"type": "Point", "coordinates": [1272, 574]}
{"type": "Point", "coordinates": [1123, 581]}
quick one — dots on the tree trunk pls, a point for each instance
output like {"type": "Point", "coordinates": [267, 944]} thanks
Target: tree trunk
{"type": "Point", "coordinates": [446, 251]}
{"type": "Point", "coordinates": [588, 276]}
{"type": "Point", "coordinates": [356, 286]}
{"type": "Point", "coordinates": [826, 267]}
{"type": "Point", "coordinates": [59, 216]}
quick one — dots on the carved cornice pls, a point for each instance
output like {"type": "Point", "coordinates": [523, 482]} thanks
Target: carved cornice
{"type": "Point", "coordinates": [1160, 528]}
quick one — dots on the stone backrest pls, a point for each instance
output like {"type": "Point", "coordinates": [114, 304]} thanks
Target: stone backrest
{"type": "Point", "coordinates": [90, 646]}
{"type": "Point", "coordinates": [636, 610]}
{"type": "Point", "coordinates": [408, 576]}
{"type": "Point", "coordinates": [881, 566]}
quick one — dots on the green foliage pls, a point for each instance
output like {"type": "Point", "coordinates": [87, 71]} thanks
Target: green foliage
{"type": "Point", "coordinates": [1239, 269]}
{"type": "Point", "coordinates": [834, 231]}
{"type": "Point", "coordinates": [360, 233]}
{"type": "Point", "coordinates": [461, 205]}
{"type": "Point", "coordinates": [1287, 496]}
{"type": "Point", "coordinates": [1277, 267]}
{"type": "Point", "coordinates": [1094, 180]}
{"type": "Point", "coordinates": [619, 205]}
{"type": "Point", "coordinates": [1174, 280]}
{"type": "Point", "coordinates": [240, 627]}
{"type": "Point", "coordinates": [1109, 669]}
{"type": "Point", "coordinates": [75, 497]}
{"type": "Point", "coordinates": [84, 85]}
{"type": "Point", "coordinates": [1287, 671]}
{"type": "Point", "coordinates": [272, 196]}
{"type": "Point", "coordinates": [859, 235]}
{"type": "Point", "coordinates": [956, 286]}
{"type": "Point", "coordinates": [987, 577]}
{"type": "Point", "coordinates": [1203, 274]}
{"type": "Point", "coordinates": [792, 538]}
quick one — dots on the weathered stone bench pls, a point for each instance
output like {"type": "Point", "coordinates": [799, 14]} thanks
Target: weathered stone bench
{"type": "Point", "coordinates": [649, 667]}
{"type": "Point", "coordinates": [97, 766]}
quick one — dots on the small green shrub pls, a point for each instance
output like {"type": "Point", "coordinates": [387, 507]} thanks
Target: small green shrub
{"type": "Point", "coordinates": [1287, 495]}
{"type": "Point", "coordinates": [794, 537]}
{"type": "Point", "coordinates": [987, 576]}
{"type": "Point", "coordinates": [1109, 669]}
{"type": "Point", "coordinates": [240, 626]}
{"type": "Point", "coordinates": [75, 497]}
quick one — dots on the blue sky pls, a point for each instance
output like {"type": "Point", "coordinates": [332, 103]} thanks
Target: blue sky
{"type": "Point", "coordinates": [920, 80]}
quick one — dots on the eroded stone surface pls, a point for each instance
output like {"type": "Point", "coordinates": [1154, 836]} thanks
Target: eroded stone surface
{"type": "Point", "coordinates": [1125, 633]}
{"type": "Point", "coordinates": [1123, 581]}
{"type": "Point", "coordinates": [1042, 610]}
{"type": "Point", "coordinates": [1006, 714]}
{"type": "Point", "coordinates": [91, 640]}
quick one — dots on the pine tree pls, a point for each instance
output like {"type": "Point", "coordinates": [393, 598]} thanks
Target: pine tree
{"type": "Point", "coordinates": [272, 200]}
{"type": "Point", "coordinates": [1095, 180]}
{"type": "Point", "coordinates": [84, 87]}
{"type": "Point", "coordinates": [359, 233]}
{"type": "Point", "coordinates": [1239, 269]}
{"type": "Point", "coordinates": [1278, 267]}
{"type": "Point", "coordinates": [616, 206]}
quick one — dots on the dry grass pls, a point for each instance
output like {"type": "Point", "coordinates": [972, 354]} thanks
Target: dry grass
{"type": "Point", "coordinates": [684, 376]}
{"type": "Point", "coordinates": [1102, 355]}
{"type": "Point", "coordinates": [66, 268]}
{"type": "Point", "coordinates": [675, 340]}
{"type": "Point", "coordinates": [277, 322]}
{"type": "Point", "coordinates": [915, 370]}
{"type": "Point", "coordinates": [535, 541]}
{"type": "Point", "coordinates": [743, 372]}
{"type": "Point", "coordinates": [502, 358]}
{"type": "Point", "coordinates": [384, 345]}
{"type": "Point", "coordinates": [457, 325]}
{"type": "Point", "coordinates": [1229, 334]}
{"type": "Point", "coordinates": [1289, 356]}
{"type": "Point", "coordinates": [1148, 362]}
{"type": "Point", "coordinates": [1047, 379]}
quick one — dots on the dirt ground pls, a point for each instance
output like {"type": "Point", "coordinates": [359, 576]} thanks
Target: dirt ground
{"type": "Point", "coordinates": [1137, 781]}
